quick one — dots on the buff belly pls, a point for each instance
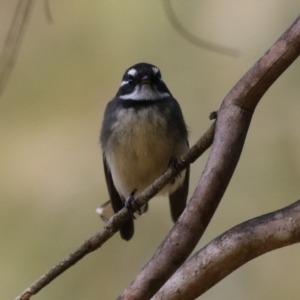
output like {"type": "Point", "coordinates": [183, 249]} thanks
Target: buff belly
{"type": "Point", "coordinates": [139, 150]}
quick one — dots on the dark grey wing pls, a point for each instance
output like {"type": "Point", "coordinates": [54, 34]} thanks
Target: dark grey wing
{"type": "Point", "coordinates": [178, 198]}
{"type": "Point", "coordinates": [117, 202]}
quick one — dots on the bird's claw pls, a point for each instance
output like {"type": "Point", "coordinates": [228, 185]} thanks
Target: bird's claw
{"type": "Point", "coordinates": [128, 204]}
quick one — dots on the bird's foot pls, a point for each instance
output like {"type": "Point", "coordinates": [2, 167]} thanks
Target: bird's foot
{"type": "Point", "coordinates": [173, 163]}
{"type": "Point", "coordinates": [128, 203]}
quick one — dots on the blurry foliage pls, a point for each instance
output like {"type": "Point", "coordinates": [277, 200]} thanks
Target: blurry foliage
{"type": "Point", "coordinates": [51, 177]}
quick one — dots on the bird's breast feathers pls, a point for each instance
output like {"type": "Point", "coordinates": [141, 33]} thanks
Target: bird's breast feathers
{"type": "Point", "coordinates": [139, 149]}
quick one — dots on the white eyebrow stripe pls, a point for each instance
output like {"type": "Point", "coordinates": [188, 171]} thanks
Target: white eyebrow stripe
{"type": "Point", "coordinates": [155, 70]}
{"type": "Point", "coordinates": [132, 72]}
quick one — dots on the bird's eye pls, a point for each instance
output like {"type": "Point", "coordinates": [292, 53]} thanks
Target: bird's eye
{"type": "Point", "coordinates": [130, 80]}
{"type": "Point", "coordinates": [157, 77]}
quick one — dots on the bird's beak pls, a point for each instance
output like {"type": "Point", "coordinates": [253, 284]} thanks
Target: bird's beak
{"type": "Point", "coordinates": [145, 80]}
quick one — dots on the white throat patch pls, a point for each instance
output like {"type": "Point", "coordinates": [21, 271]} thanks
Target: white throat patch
{"type": "Point", "coordinates": [145, 92]}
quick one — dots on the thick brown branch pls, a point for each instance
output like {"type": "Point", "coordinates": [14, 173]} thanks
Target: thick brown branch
{"type": "Point", "coordinates": [233, 120]}
{"type": "Point", "coordinates": [114, 223]}
{"type": "Point", "coordinates": [231, 250]}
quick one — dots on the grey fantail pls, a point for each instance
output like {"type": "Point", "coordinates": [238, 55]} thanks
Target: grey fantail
{"type": "Point", "coordinates": [142, 130]}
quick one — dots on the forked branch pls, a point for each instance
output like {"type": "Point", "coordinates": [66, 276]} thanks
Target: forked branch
{"type": "Point", "coordinates": [231, 250]}
{"type": "Point", "coordinates": [232, 124]}
{"type": "Point", "coordinates": [234, 117]}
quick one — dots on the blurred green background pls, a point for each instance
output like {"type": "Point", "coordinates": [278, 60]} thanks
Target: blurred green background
{"type": "Point", "coordinates": [51, 177]}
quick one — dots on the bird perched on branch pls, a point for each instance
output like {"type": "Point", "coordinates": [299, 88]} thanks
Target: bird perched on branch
{"type": "Point", "coordinates": [143, 131]}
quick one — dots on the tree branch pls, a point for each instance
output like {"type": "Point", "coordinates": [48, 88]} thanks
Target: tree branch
{"type": "Point", "coordinates": [231, 250]}
{"type": "Point", "coordinates": [14, 40]}
{"type": "Point", "coordinates": [114, 223]}
{"type": "Point", "coordinates": [232, 124]}
{"type": "Point", "coordinates": [210, 46]}
{"type": "Point", "coordinates": [233, 121]}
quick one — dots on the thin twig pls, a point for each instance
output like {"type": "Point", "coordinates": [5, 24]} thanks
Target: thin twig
{"type": "Point", "coordinates": [210, 46]}
{"type": "Point", "coordinates": [14, 40]}
{"type": "Point", "coordinates": [48, 13]}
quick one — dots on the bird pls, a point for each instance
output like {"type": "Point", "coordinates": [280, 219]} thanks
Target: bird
{"type": "Point", "coordinates": [143, 132]}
